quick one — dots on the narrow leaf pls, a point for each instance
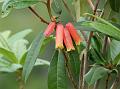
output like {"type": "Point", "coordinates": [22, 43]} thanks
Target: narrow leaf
{"type": "Point", "coordinates": [94, 74]}
{"type": "Point", "coordinates": [107, 29]}
{"type": "Point", "coordinates": [57, 74]}
{"type": "Point", "coordinates": [117, 59]}
{"type": "Point", "coordinates": [32, 56]}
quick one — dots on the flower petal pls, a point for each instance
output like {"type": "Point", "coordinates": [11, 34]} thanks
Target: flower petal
{"type": "Point", "coordinates": [49, 30]}
{"type": "Point", "coordinates": [68, 40]}
{"type": "Point", "coordinates": [73, 32]}
{"type": "Point", "coordinates": [59, 36]}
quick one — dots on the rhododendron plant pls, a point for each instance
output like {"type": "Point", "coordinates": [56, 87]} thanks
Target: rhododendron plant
{"type": "Point", "coordinates": [84, 36]}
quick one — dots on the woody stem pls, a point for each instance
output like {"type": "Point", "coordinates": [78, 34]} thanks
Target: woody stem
{"type": "Point", "coordinates": [35, 13]}
{"type": "Point", "coordinates": [87, 49]}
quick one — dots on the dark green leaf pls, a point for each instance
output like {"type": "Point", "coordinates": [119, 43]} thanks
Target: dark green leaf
{"type": "Point", "coordinates": [57, 74]}
{"type": "Point", "coordinates": [114, 48]}
{"type": "Point", "coordinates": [96, 56]}
{"type": "Point", "coordinates": [78, 26]}
{"type": "Point", "coordinates": [107, 29]}
{"type": "Point", "coordinates": [75, 63]}
{"type": "Point", "coordinates": [57, 6]}
{"type": "Point", "coordinates": [117, 59]}
{"type": "Point", "coordinates": [94, 74]}
{"type": "Point", "coordinates": [115, 5]}
{"type": "Point", "coordinates": [45, 43]}
{"type": "Point", "coordinates": [32, 55]}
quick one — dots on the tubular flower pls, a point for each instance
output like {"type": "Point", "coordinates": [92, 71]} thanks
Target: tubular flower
{"type": "Point", "coordinates": [73, 33]}
{"type": "Point", "coordinates": [49, 30]}
{"type": "Point", "coordinates": [68, 40]}
{"type": "Point", "coordinates": [59, 36]}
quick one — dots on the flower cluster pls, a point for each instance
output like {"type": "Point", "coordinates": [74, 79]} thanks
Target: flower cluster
{"type": "Point", "coordinates": [64, 35]}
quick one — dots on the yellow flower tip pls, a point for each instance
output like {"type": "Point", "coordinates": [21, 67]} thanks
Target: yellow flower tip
{"type": "Point", "coordinates": [59, 36]}
{"type": "Point", "coordinates": [68, 40]}
{"type": "Point", "coordinates": [73, 32]}
{"type": "Point", "coordinates": [59, 46]}
{"type": "Point", "coordinates": [70, 49]}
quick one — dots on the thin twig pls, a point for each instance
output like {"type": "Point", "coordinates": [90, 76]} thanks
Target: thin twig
{"type": "Point", "coordinates": [69, 72]}
{"type": "Point", "coordinates": [49, 9]}
{"type": "Point", "coordinates": [105, 44]}
{"type": "Point", "coordinates": [107, 81]}
{"type": "Point", "coordinates": [19, 79]}
{"type": "Point", "coordinates": [87, 48]}
{"type": "Point", "coordinates": [82, 69]}
{"type": "Point", "coordinates": [68, 9]}
{"type": "Point", "coordinates": [41, 19]}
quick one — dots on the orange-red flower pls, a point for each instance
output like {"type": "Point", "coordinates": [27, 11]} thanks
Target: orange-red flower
{"type": "Point", "coordinates": [49, 30]}
{"type": "Point", "coordinates": [59, 36]}
{"type": "Point", "coordinates": [68, 40]}
{"type": "Point", "coordinates": [73, 33]}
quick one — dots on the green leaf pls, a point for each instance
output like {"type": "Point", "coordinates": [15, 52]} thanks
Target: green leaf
{"type": "Point", "coordinates": [3, 42]}
{"type": "Point", "coordinates": [22, 60]}
{"type": "Point", "coordinates": [114, 48]}
{"type": "Point", "coordinates": [115, 5]}
{"type": "Point", "coordinates": [57, 74]}
{"type": "Point", "coordinates": [37, 63]}
{"type": "Point", "coordinates": [75, 63]}
{"type": "Point", "coordinates": [19, 35]}
{"type": "Point", "coordinates": [116, 60]}
{"type": "Point", "coordinates": [8, 5]}
{"type": "Point", "coordinates": [78, 26]}
{"type": "Point", "coordinates": [10, 68]}
{"type": "Point", "coordinates": [66, 15]}
{"type": "Point", "coordinates": [32, 55]}
{"type": "Point", "coordinates": [97, 43]}
{"type": "Point", "coordinates": [96, 56]}
{"type": "Point", "coordinates": [95, 73]}
{"type": "Point", "coordinates": [45, 43]}
{"type": "Point", "coordinates": [42, 62]}
{"type": "Point", "coordinates": [57, 6]}
{"type": "Point", "coordinates": [8, 55]}
{"type": "Point", "coordinates": [19, 48]}
{"type": "Point", "coordinates": [107, 29]}
{"type": "Point", "coordinates": [6, 34]}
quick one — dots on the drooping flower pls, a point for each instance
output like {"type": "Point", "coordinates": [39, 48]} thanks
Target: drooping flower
{"type": "Point", "coordinates": [73, 32]}
{"type": "Point", "coordinates": [59, 36]}
{"type": "Point", "coordinates": [68, 40]}
{"type": "Point", "coordinates": [49, 30]}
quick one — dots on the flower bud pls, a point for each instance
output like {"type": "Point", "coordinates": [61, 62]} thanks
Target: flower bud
{"type": "Point", "coordinates": [73, 32]}
{"type": "Point", "coordinates": [49, 30]}
{"type": "Point", "coordinates": [59, 36]}
{"type": "Point", "coordinates": [68, 40]}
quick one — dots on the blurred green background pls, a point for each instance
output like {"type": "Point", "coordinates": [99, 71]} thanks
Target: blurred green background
{"type": "Point", "coordinates": [20, 20]}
